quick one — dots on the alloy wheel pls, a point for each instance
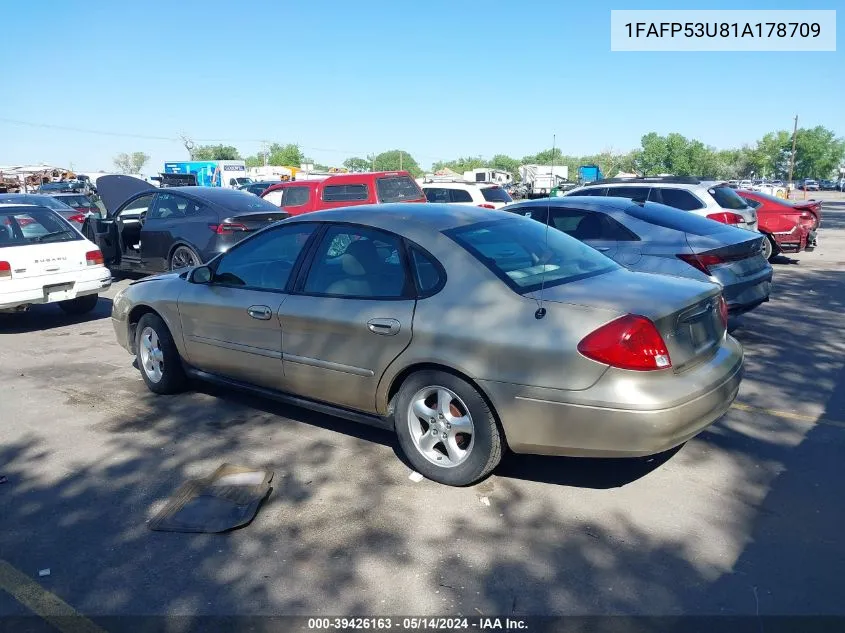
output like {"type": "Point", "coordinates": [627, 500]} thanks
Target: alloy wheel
{"type": "Point", "coordinates": [441, 426]}
{"type": "Point", "coordinates": [152, 356]}
{"type": "Point", "coordinates": [183, 258]}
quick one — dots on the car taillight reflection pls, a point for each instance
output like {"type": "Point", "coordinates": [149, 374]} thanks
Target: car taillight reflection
{"type": "Point", "coordinates": [726, 217]}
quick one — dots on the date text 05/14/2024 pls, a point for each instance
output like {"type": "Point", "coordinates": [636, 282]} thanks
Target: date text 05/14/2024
{"type": "Point", "coordinates": [417, 624]}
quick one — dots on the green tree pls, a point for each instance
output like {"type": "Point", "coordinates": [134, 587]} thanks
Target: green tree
{"type": "Point", "coordinates": [505, 163]}
{"type": "Point", "coordinates": [130, 163]}
{"type": "Point", "coordinates": [357, 164]}
{"type": "Point", "coordinates": [817, 153]}
{"type": "Point", "coordinates": [288, 155]}
{"type": "Point", "coordinates": [396, 159]}
{"type": "Point", "coordinates": [215, 152]}
{"type": "Point", "coordinates": [462, 164]}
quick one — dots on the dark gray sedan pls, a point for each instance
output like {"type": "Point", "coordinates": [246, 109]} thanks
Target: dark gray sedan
{"type": "Point", "coordinates": [655, 238]}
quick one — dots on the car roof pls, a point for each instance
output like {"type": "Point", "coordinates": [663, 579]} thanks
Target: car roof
{"type": "Point", "coordinates": [397, 216]}
{"type": "Point", "coordinates": [455, 184]}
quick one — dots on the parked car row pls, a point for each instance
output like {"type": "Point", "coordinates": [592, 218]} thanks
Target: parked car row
{"type": "Point", "coordinates": [593, 324]}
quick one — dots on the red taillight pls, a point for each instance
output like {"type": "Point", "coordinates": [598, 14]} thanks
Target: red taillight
{"type": "Point", "coordinates": [5, 270]}
{"type": "Point", "coordinates": [629, 342]}
{"type": "Point", "coordinates": [94, 258]}
{"type": "Point", "coordinates": [726, 217]}
{"type": "Point", "coordinates": [723, 311]}
{"type": "Point", "coordinates": [701, 262]}
{"type": "Point", "coordinates": [227, 228]}
{"type": "Point", "coordinates": [79, 217]}
{"type": "Point", "coordinates": [486, 206]}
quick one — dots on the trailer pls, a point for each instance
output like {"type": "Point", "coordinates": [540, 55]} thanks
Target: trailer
{"type": "Point", "coordinates": [229, 174]}
{"type": "Point", "coordinates": [540, 180]}
{"type": "Point", "coordinates": [486, 174]}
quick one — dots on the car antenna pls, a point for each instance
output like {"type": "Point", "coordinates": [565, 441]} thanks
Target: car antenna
{"type": "Point", "coordinates": [541, 310]}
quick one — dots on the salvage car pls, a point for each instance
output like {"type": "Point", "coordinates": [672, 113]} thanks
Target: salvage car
{"type": "Point", "coordinates": [76, 217]}
{"type": "Point", "coordinates": [150, 230]}
{"type": "Point", "coordinates": [789, 227]}
{"type": "Point", "coordinates": [344, 190]}
{"type": "Point", "coordinates": [43, 259]}
{"type": "Point", "coordinates": [655, 238]}
{"type": "Point", "coordinates": [466, 331]}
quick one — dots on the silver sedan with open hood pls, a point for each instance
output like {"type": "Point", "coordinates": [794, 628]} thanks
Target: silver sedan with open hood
{"type": "Point", "coordinates": [467, 331]}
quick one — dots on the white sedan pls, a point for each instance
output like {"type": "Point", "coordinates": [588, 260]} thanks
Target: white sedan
{"type": "Point", "coordinates": [43, 259]}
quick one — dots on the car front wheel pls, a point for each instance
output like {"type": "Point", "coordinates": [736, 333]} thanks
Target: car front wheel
{"type": "Point", "coordinates": [158, 358]}
{"type": "Point", "coordinates": [80, 305]}
{"type": "Point", "coordinates": [184, 257]}
{"type": "Point", "coordinates": [446, 429]}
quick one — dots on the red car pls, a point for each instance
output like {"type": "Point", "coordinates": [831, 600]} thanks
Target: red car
{"type": "Point", "coordinates": [790, 226]}
{"type": "Point", "coordinates": [344, 190]}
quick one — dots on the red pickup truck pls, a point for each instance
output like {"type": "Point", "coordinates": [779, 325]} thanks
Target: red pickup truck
{"type": "Point", "coordinates": [344, 190]}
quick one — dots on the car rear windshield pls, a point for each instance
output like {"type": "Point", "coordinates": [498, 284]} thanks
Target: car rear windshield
{"type": "Point", "coordinates": [496, 194]}
{"type": "Point", "coordinates": [398, 189]}
{"type": "Point", "coordinates": [727, 198]}
{"type": "Point", "coordinates": [523, 254]}
{"type": "Point", "coordinates": [76, 201]}
{"type": "Point", "coordinates": [671, 218]}
{"type": "Point", "coordinates": [771, 198]}
{"type": "Point", "coordinates": [41, 201]}
{"type": "Point", "coordinates": [22, 226]}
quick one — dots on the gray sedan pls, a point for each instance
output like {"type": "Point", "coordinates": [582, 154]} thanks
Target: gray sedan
{"type": "Point", "coordinates": [464, 330]}
{"type": "Point", "coordinates": [655, 238]}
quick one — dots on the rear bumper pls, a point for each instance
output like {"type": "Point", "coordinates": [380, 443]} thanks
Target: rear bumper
{"type": "Point", "coordinates": [745, 295]}
{"type": "Point", "coordinates": [84, 283]}
{"type": "Point", "coordinates": [556, 422]}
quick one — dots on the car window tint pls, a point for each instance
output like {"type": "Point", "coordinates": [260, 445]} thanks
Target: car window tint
{"type": "Point", "coordinates": [21, 226]}
{"type": "Point", "coordinates": [357, 262]}
{"type": "Point", "coordinates": [426, 272]}
{"type": "Point", "coordinates": [137, 206]}
{"type": "Point", "coordinates": [274, 197]}
{"type": "Point", "coordinates": [169, 206]}
{"type": "Point", "coordinates": [397, 189]}
{"type": "Point", "coordinates": [437, 194]}
{"type": "Point", "coordinates": [345, 193]}
{"type": "Point", "coordinates": [678, 198]}
{"type": "Point", "coordinates": [264, 261]}
{"type": "Point", "coordinates": [628, 192]}
{"type": "Point", "coordinates": [590, 191]}
{"type": "Point", "coordinates": [496, 194]}
{"type": "Point", "coordinates": [590, 225]}
{"type": "Point", "coordinates": [460, 195]}
{"type": "Point", "coordinates": [525, 255]}
{"type": "Point", "coordinates": [754, 204]}
{"type": "Point", "coordinates": [727, 198]}
{"type": "Point", "coordinates": [295, 196]}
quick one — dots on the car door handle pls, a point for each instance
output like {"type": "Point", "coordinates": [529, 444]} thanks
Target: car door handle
{"type": "Point", "coordinates": [262, 313]}
{"type": "Point", "coordinates": [602, 249]}
{"type": "Point", "coordinates": [385, 327]}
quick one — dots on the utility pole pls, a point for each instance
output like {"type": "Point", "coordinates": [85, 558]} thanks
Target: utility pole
{"type": "Point", "coordinates": [373, 157]}
{"type": "Point", "coordinates": [400, 160]}
{"type": "Point", "coordinates": [264, 151]}
{"type": "Point", "coordinates": [792, 157]}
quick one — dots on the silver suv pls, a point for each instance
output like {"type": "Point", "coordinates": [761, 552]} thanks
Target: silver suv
{"type": "Point", "coordinates": [713, 199]}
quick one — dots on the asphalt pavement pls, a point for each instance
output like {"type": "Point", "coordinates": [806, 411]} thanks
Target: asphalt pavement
{"type": "Point", "coordinates": [744, 519]}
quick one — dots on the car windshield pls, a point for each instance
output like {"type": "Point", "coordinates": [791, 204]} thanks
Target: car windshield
{"type": "Point", "coordinates": [22, 226]}
{"type": "Point", "coordinates": [55, 186]}
{"type": "Point", "coordinates": [496, 194]}
{"type": "Point", "coordinates": [523, 254]}
{"type": "Point", "coordinates": [727, 198]}
{"type": "Point", "coordinates": [398, 189]}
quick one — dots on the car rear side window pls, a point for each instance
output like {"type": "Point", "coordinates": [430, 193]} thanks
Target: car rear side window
{"type": "Point", "coordinates": [671, 218]}
{"type": "Point", "coordinates": [590, 191]}
{"type": "Point", "coordinates": [678, 198]}
{"type": "Point", "coordinates": [754, 204]}
{"type": "Point", "coordinates": [398, 189]}
{"type": "Point", "coordinates": [727, 198]}
{"type": "Point", "coordinates": [295, 196]}
{"type": "Point", "coordinates": [426, 271]}
{"type": "Point", "coordinates": [345, 193]}
{"type": "Point", "coordinates": [590, 225]}
{"type": "Point", "coordinates": [628, 192]}
{"type": "Point", "coordinates": [137, 206]}
{"type": "Point", "coordinates": [459, 195]}
{"type": "Point", "coordinates": [265, 261]}
{"type": "Point", "coordinates": [496, 194]}
{"type": "Point", "coordinates": [525, 255]}
{"type": "Point", "coordinates": [437, 194]}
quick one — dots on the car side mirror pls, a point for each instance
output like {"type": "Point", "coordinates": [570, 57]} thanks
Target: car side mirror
{"type": "Point", "coordinates": [201, 275]}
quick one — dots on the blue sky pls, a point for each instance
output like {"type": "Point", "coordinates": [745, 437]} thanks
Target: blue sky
{"type": "Point", "coordinates": [439, 79]}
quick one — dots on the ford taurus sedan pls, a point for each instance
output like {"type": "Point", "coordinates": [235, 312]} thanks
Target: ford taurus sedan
{"type": "Point", "coordinates": [466, 331]}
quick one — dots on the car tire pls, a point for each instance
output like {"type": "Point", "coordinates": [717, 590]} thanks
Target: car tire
{"type": "Point", "coordinates": [430, 401]}
{"type": "Point", "coordinates": [158, 359]}
{"type": "Point", "coordinates": [184, 257]}
{"type": "Point", "coordinates": [80, 305]}
{"type": "Point", "coordinates": [770, 249]}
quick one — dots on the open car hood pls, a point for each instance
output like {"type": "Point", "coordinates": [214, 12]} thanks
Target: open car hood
{"type": "Point", "coordinates": [115, 190]}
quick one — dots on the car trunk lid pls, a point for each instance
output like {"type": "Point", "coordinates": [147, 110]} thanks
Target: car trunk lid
{"type": "Point", "coordinates": [740, 252]}
{"type": "Point", "coordinates": [53, 258]}
{"type": "Point", "coordinates": [685, 312]}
